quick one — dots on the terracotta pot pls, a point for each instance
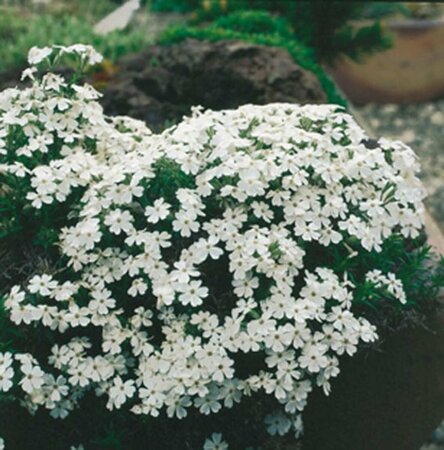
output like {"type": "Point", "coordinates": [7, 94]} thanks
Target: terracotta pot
{"type": "Point", "coordinates": [390, 399]}
{"type": "Point", "coordinates": [412, 70]}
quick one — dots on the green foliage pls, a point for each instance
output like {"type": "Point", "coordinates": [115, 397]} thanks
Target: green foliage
{"type": "Point", "coordinates": [324, 26]}
{"type": "Point", "coordinates": [254, 22]}
{"type": "Point", "coordinates": [169, 178]}
{"type": "Point", "coordinates": [10, 26]}
{"type": "Point", "coordinates": [47, 30]}
{"type": "Point", "coordinates": [90, 11]}
{"type": "Point", "coordinates": [178, 6]}
{"type": "Point", "coordinates": [419, 269]}
{"type": "Point", "coordinates": [301, 54]}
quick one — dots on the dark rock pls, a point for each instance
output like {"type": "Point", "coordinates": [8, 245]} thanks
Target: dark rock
{"type": "Point", "coordinates": [160, 84]}
{"type": "Point", "coordinates": [10, 79]}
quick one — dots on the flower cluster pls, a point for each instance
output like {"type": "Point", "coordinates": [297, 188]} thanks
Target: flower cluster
{"type": "Point", "coordinates": [190, 253]}
{"type": "Point", "coordinates": [389, 282]}
{"type": "Point", "coordinates": [87, 54]}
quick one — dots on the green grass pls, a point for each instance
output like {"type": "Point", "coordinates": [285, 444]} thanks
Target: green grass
{"type": "Point", "coordinates": [19, 34]}
{"type": "Point", "coordinates": [90, 11]}
{"type": "Point", "coordinates": [176, 6]}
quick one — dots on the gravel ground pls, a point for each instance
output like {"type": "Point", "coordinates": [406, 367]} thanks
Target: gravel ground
{"type": "Point", "coordinates": [420, 126]}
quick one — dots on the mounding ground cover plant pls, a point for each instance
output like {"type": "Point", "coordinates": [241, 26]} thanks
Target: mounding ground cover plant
{"type": "Point", "coordinates": [232, 260]}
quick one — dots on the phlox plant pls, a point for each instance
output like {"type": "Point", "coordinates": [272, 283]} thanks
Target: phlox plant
{"type": "Point", "coordinates": [231, 256]}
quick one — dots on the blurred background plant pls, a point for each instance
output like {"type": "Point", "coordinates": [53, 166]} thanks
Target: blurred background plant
{"type": "Point", "coordinates": [325, 26]}
{"type": "Point", "coordinates": [27, 24]}
{"type": "Point", "coordinates": [257, 27]}
{"type": "Point", "coordinates": [312, 32]}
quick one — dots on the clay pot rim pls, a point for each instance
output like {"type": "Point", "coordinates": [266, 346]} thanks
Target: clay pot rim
{"type": "Point", "coordinates": [401, 24]}
{"type": "Point", "coordinates": [416, 24]}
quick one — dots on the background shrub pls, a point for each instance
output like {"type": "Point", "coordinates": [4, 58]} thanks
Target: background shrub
{"type": "Point", "coordinates": [22, 32]}
{"type": "Point", "coordinates": [325, 26]}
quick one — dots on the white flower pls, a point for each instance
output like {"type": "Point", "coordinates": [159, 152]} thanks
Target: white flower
{"type": "Point", "coordinates": [245, 287]}
{"type": "Point", "coordinates": [158, 211]}
{"type": "Point", "coordinates": [277, 424]}
{"type": "Point", "coordinates": [183, 272]}
{"type": "Point", "coordinates": [119, 221]}
{"type": "Point", "coordinates": [215, 442]}
{"type": "Point", "coordinates": [177, 407]}
{"type": "Point", "coordinates": [32, 378]}
{"type": "Point", "coordinates": [37, 55]}
{"type": "Point", "coordinates": [6, 374]}
{"type": "Point", "coordinates": [138, 287]}
{"type": "Point", "coordinates": [205, 248]}
{"type": "Point", "coordinates": [42, 285]}
{"type": "Point", "coordinates": [223, 370]}
{"type": "Point", "coordinates": [77, 316]}
{"type": "Point", "coordinates": [6, 359]}
{"type": "Point", "coordinates": [193, 293]}
{"type": "Point", "coordinates": [102, 302]}
{"type": "Point", "coordinates": [207, 404]}
{"type": "Point", "coordinates": [120, 392]}
{"type": "Point", "coordinates": [313, 358]}
{"type": "Point", "coordinates": [389, 282]}
{"type": "Point", "coordinates": [329, 235]}
{"type": "Point", "coordinates": [86, 52]}
{"type": "Point", "coordinates": [185, 223]}
{"type": "Point", "coordinates": [28, 73]}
